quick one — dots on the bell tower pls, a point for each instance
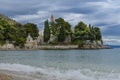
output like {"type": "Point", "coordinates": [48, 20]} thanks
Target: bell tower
{"type": "Point", "coordinates": [52, 18]}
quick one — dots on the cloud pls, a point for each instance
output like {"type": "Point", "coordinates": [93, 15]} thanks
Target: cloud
{"type": "Point", "coordinates": [29, 17]}
{"type": "Point", "coordinates": [73, 18]}
{"type": "Point", "coordinates": [102, 13]}
{"type": "Point", "coordinates": [111, 40]}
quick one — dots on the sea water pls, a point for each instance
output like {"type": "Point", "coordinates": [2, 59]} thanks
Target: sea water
{"type": "Point", "coordinates": [103, 64]}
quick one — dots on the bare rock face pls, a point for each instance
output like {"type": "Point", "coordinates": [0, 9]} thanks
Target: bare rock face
{"type": "Point", "coordinates": [5, 77]}
{"type": "Point", "coordinates": [99, 42]}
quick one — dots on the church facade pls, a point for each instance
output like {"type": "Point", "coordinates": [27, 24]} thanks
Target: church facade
{"type": "Point", "coordinates": [31, 44]}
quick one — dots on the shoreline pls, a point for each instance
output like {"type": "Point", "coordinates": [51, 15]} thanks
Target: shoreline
{"type": "Point", "coordinates": [60, 47]}
{"type": "Point", "coordinates": [4, 76]}
{"type": "Point", "coordinates": [13, 75]}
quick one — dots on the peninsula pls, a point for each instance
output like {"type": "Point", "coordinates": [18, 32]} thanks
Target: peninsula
{"type": "Point", "coordinates": [57, 34]}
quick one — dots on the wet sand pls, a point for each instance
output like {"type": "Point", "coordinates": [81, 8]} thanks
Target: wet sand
{"type": "Point", "coordinates": [4, 76]}
{"type": "Point", "coordinates": [10, 75]}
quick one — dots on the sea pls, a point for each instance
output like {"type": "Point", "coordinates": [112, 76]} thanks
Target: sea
{"type": "Point", "coordinates": [102, 64]}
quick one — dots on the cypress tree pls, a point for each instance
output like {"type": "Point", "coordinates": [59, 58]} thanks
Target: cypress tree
{"type": "Point", "coordinates": [46, 31]}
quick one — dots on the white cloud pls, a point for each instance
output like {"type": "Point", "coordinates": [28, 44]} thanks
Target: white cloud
{"type": "Point", "coordinates": [31, 17]}
{"type": "Point", "coordinates": [111, 40]}
{"type": "Point", "coordinates": [26, 17]}
{"type": "Point", "coordinates": [109, 4]}
{"type": "Point", "coordinates": [73, 18]}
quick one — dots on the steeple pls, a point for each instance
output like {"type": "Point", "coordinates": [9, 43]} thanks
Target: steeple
{"type": "Point", "coordinates": [52, 18]}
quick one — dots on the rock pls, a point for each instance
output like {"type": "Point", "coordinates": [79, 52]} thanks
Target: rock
{"type": "Point", "coordinates": [99, 42]}
{"type": "Point", "coordinates": [8, 46]}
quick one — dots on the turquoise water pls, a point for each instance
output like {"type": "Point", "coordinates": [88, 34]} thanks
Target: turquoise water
{"type": "Point", "coordinates": [65, 64]}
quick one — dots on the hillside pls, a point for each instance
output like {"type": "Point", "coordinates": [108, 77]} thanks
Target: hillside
{"type": "Point", "coordinates": [7, 19]}
{"type": "Point", "coordinates": [56, 32]}
{"type": "Point", "coordinates": [4, 20]}
{"type": "Point", "coordinates": [14, 32]}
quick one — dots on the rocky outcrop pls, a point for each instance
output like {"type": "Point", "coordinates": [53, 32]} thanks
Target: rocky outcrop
{"type": "Point", "coordinates": [97, 42]}
{"type": "Point", "coordinates": [58, 47]}
{"type": "Point", "coordinates": [32, 45]}
{"type": "Point", "coordinates": [7, 46]}
{"type": "Point", "coordinates": [93, 45]}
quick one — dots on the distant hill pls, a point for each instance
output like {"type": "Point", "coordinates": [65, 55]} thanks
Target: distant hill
{"type": "Point", "coordinates": [114, 46]}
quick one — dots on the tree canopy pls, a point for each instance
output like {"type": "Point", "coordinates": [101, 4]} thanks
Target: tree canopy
{"type": "Point", "coordinates": [46, 31]}
{"type": "Point", "coordinates": [14, 32]}
{"type": "Point", "coordinates": [62, 29]}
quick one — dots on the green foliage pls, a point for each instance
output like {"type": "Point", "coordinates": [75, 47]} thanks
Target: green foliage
{"type": "Point", "coordinates": [78, 42]}
{"type": "Point", "coordinates": [81, 26]}
{"type": "Point", "coordinates": [97, 33]}
{"type": "Point", "coordinates": [60, 22]}
{"type": "Point", "coordinates": [7, 30]}
{"type": "Point", "coordinates": [60, 28]}
{"type": "Point", "coordinates": [67, 28]}
{"type": "Point", "coordinates": [53, 28]}
{"type": "Point", "coordinates": [14, 32]}
{"type": "Point", "coordinates": [46, 31]}
{"type": "Point", "coordinates": [31, 29]}
{"type": "Point", "coordinates": [61, 35]}
{"type": "Point", "coordinates": [1, 37]}
{"type": "Point", "coordinates": [20, 42]}
{"type": "Point", "coordinates": [82, 32]}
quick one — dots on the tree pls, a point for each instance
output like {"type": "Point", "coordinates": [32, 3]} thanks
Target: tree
{"type": "Point", "coordinates": [80, 26]}
{"type": "Point", "coordinates": [46, 31]}
{"type": "Point", "coordinates": [31, 29]}
{"type": "Point", "coordinates": [60, 22]}
{"type": "Point", "coordinates": [67, 27]}
{"type": "Point", "coordinates": [53, 28]}
{"type": "Point", "coordinates": [81, 31]}
{"type": "Point", "coordinates": [97, 33]}
{"type": "Point", "coordinates": [61, 35]}
{"type": "Point", "coordinates": [20, 42]}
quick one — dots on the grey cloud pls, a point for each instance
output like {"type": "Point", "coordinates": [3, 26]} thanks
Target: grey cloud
{"type": "Point", "coordinates": [102, 13]}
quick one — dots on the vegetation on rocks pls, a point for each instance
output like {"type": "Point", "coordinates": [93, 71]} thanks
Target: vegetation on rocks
{"type": "Point", "coordinates": [60, 30]}
{"type": "Point", "coordinates": [14, 32]}
{"type": "Point", "coordinates": [81, 32]}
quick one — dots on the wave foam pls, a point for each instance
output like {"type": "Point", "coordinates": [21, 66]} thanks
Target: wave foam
{"type": "Point", "coordinates": [57, 74]}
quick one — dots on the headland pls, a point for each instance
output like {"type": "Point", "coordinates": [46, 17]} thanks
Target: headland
{"type": "Point", "coordinates": [57, 34]}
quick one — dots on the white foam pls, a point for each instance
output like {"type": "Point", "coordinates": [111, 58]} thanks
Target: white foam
{"type": "Point", "coordinates": [51, 73]}
{"type": "Point", "coordinates": [17, 67]}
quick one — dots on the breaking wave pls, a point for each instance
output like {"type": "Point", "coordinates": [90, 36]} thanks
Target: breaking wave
{"type": "Point", "coordinates": [57, 74]}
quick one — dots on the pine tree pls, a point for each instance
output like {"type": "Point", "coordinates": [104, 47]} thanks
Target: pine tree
{"type": "Point", "coordinates": [61, 36]}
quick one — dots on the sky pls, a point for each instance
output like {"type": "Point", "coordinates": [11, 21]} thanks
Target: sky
{"type": "Point", "coordinates": [102, 13]}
